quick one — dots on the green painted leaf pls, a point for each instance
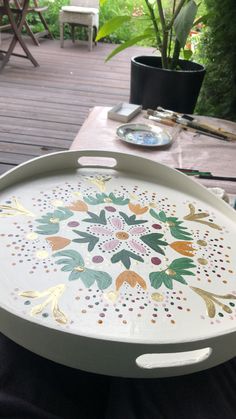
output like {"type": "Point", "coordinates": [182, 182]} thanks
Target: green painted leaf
{"type": "Point", "coordinates": [86, 238]}
{"type": "Point", "coordinates": [103, 279]}
{"type": "Point", "coordinates": [73, 259]}
{"type": "Point", "coordinates": [181, 263]}
{"type": "Point", "coordinates": [74, 275]}
{"type": "Point", "coordinates": [118, 200]}
{"type": "Point", "coordinates": [179, 278]}
{"type": "Point", "coordinates": [184, 272]}
{"type": "Point", "coordinates": [168, 281]}
{"type": "Point", "coordinates": [124, 256]}
{"type": "Point", "coordinates": [48, 229]}
{"type": "Point", "coordinates": [99, 199]}
{"type": "Point", "coordinates": [160, 217]}
{"type": "Point", "coordinates": [96, 219]}
{"type": "Point", "coordinates": [178, 233]}
{"type": "Point", "coordinates": [49, 224]}
{"type": "Point", "coordinates": [154, 242]}
{"type": "Point", "coordinates": [184, 21]}
{"type": "Point", "coordinates": [131, 220]}
{"type": "Point", "coordinates": [157, 279]}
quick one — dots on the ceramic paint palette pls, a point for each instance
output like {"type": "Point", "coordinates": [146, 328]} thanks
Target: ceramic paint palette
{"type": "Point", "coordinates": [144, 135]}
{"type": "Point", "coordinates": [117, 265]}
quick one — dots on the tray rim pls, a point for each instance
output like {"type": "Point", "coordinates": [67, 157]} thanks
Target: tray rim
{"type": "Point", "coordinates": [73, 156]}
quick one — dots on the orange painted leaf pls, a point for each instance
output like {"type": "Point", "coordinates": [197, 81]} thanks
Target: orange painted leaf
{"type": "Point", "coordinates": [131, 278]}
{"type": "Point", "coordinates": [183, 247]}
{"type": "Point", "coordinates": [78, 206]}
{"type": "Point", "coordinates": [58, 242]}
{"type": "Point", "coordinates": [137, 209]}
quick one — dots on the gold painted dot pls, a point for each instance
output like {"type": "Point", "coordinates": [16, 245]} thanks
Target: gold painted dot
{"type": "Point", "coordinates": [79, 269]}
{"type": "Point", "coordinates": [230, 271]}
{"type": "Point", "coordinates": [32, 236]}
{"type": "Point", "coordinates": [202, 242]}
{"type": "Point", "coordinates": [100, 322]}
{"type": "Point", "coordinates": [122, 235]}
{"type": "Point", "coordinates": [57, 203]}
{"type": "Point", "coordinates": [153, 321]}
{"type": "Point", "coordinates": [156, 296]}
{"type": "Point", "coordinates": [172, 321]}
{"type": "Point", "coordinates": [83, 311]}
{"type": "Point", "coordinates": [170, 272]}
{"type": "Point", "coordinates": [225, 282]}
{"type": "Point", "coordinates": [42, 254]}
{"type": "Point", "coordinates": [202, 261]}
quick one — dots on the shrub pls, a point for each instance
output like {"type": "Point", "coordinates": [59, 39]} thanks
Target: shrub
{"type": "Point", "coordinates": [218, 49]}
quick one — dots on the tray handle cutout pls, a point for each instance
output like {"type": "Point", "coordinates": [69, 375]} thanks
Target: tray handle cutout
{"type": "Point", "coordinates": [85, 161]}
{"type": "Point", "coordinates": [173, 359]}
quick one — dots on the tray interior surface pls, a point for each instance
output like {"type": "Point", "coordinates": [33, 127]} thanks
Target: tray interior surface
{"type": "Point", "coordinates": [95, 252]}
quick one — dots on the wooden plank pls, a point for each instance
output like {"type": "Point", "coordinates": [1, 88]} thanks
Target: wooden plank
{"type": "Point", "coordinates": [43, 108]}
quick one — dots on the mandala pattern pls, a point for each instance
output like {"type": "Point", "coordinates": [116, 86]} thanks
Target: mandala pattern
{"type": "Point", "coordinates": [129, 250]}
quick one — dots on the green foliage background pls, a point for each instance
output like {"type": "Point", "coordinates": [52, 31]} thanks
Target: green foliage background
{"type": "Point", "coordinates": [218, 52]}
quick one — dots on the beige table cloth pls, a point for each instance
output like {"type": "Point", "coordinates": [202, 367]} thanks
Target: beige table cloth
{"type": "Point", "coordinates": [188, 150]}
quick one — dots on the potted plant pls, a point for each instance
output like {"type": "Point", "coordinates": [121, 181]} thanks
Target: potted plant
{"type": "Point", "coordinates": [165, 79]}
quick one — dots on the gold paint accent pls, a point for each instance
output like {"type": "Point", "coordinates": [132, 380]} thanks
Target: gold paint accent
{"type": "Point", "coordinates": [100, 182]}
{"type": "Point", "coordinates": [77, 193]}
{"type": "Point", "coordinates": [197, 217]}
{"type": "Point", "coordinates": [152, 205]}
{"type": "Point", "coordinates": [42, 254]}
{"type": "Point", "coordinates": [170, 272]}
{"type": "Point", "coordinates": [202, 261]}
{"type": "Point", "coordinates": [202, 243]}
{"type": "Point", "coordinates": [32, 236]}
{"type": "Point", "coordinates": [211, 299]}
{"type": "Point", "coordinates": [15, 209]}
{"type": "Point", "coordinates": [122, 235]}
{"type": "Point", "coordinates": [79, 269]}
{"type": "Point", "coordinates": [57, 203]}
{"type": "Point", "coordinates": [170, 223]}
{"type": "Point", "coordinates": [107, 200]}
{"type": "Point", "coordinates": [54, 220]}
{"type": "Point", "coordinates": [111, 296]}
{"type": "Point", "coordinates": [53, 293]}
{"type": "Point", "coordinates": [156, 296]}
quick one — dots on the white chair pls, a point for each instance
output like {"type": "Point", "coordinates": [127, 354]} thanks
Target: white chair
{"type": "Point", "coordinates": [80, 13]}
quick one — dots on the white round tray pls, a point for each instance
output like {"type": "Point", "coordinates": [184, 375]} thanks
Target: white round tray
{"type": "Point", "coordinates": [120, 266]}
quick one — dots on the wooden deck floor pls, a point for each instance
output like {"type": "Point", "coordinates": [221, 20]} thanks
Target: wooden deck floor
{"type": "Point", "coordinates": [43, 108]}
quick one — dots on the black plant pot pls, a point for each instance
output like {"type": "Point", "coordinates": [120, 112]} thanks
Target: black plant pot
{"type": "Point", "coordinates": [153, 86]}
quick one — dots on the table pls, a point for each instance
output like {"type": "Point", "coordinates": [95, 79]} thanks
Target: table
{"type": "Point", "coordinates": [188, 150]}
{"type": "Point", "coordinates": [16, 19]}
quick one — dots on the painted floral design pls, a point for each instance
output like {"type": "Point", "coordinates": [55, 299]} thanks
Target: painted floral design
{"type": "Point", "coordinates": [120, 244]}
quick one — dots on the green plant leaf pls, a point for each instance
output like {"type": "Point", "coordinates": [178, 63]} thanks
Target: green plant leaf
{"type": "Point", "coordinates": [188, 54]}
{"type": "Point", "coordinates": [154, 242]}
{"type": "Point", "coordinates": [131, 220]}
{"type": "Point", "coordinates": [124, 256]}
{"type": "Point", "coordinates": [96, 219]}
{"type": "Point", "coordinates": [184, 21]}
{"type": "Point", "coordinates": [127, 44]}
{"type": "Point", "coordinates": [112, 25]}
{"type": "Point", "coordinates": [86, 238]}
